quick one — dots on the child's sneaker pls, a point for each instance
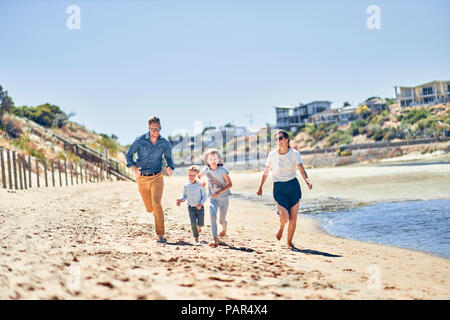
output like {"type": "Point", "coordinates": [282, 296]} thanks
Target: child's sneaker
{"type": "Point", "coordinates": [161, 240]}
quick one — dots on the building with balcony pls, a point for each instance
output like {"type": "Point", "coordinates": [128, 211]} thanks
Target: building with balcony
{"type": "Point", "coordinates": [428, 93]}
{"type": "Point", "coordinates": [340, 115]}
{"type": "Point", "coordinates": [376, 104]}
{"type": "Point", "coordinates": [290, 117]}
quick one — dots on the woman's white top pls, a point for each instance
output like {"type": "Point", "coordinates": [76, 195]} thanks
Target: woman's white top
{"type": "Point", "coordinates": [283, 166]}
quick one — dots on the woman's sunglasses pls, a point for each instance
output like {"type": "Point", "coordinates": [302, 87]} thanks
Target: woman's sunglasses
{"type": "Point", "coordinates": [154, 130]}
{"type": "Point", "coordinates": [280, 138]}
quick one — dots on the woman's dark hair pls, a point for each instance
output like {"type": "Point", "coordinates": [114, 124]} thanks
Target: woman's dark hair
{"type": "Point", "coordinates": [285, 135]}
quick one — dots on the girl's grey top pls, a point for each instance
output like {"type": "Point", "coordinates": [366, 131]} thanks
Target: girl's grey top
{"type": "Point", "coordinates": [216, 180]}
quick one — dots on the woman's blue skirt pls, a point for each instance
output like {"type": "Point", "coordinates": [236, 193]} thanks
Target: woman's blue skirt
{"type": "Point", "coordinates": [287, 194]}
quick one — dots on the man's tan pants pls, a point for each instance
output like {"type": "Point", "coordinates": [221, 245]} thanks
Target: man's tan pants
{"type": "Point", "coordinates": [151, 190]}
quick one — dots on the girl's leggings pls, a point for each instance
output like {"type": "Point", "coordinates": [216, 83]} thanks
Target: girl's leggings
{"type": "Point", "coordinates": [221, 206]}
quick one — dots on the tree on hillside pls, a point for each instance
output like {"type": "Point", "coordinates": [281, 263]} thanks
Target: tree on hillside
{"type": "Point", "coordinates": [47, 115]}
{"type": "Point", "coordinates": [363, 111]}
{"type": "Point", "coordinates": [346, 104]}
{"type": "Point", "coordinates": [6, 103]}
{"type": "Point", "coordinates": [390, 101]}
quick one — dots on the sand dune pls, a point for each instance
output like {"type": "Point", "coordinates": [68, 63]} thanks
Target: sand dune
{"type": "Point", "coordinates": [97, 242]}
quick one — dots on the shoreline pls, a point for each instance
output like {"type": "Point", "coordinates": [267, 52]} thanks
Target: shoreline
{"type": "Point", "coordinates": [346, 202]}
{"type": "Point", "coordinates": [102, 233]}
{"type": "Point", "coordinates": [315, 225]}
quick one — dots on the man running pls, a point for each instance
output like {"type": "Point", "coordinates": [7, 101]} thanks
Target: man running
{"type": "Point", "coordinates": [150, 147]}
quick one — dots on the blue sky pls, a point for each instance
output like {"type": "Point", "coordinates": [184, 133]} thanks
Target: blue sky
{"type": "Point", "coordinates": [215, 61]}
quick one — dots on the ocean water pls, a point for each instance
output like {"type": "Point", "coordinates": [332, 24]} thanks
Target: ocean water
{"type": "Point", "coordinates": [418, 225]}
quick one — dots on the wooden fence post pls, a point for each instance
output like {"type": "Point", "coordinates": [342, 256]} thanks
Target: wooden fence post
{"type": "Point", "coordinates": [2, 160]}
{"type": "Point", "coordinates": [19, 168]}
{"type": "Point", "coordinates": [29, 170]}
{"type": "Point", "coordinates": [65, 171]}
{"type": "Point", "coordinates": [81, 172]}
{"type": "Point", "coordinates": [71, 173]}
{"type": "Point", "coordinates": [106, 164]}
{"type": "Point", "coordinates": [59, 173]}
{"type": "Point", "coordinates": [37, 173]}
{"type": "Point", "coordinates": [24, 166]}
{"type": "Point", "coordinates": [76, 172]}
{"type": "Point", "coordinates": [8, 158]}
{"type": "Point", "coordinates": [16, 186]}
{"type": "Point", "coordinates": [53, 171]}
{"type": "Point", "coordinates": [45, 171]}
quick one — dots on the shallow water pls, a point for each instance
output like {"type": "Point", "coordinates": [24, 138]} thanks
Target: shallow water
{"type": "Point", "coordinates": [418, 225]}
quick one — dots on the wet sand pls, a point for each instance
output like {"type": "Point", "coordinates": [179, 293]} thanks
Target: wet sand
{"type": "Point", "coordinates": [97, 242]}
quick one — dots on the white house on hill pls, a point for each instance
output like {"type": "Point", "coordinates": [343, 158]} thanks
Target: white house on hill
{"type": "Point", "coordinates": [424, 94]}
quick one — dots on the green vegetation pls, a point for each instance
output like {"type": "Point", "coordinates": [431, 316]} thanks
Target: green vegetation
{"type": "Point", "coordinates": [47, 115]}
{"type": "Point", "coordinates": [109, 143]}
{"type": "Point", "coordinates": [338, 138]}
{"type": "Point", "coordinates": [380, 125]}
{"type": "Point", "coordinates": [358, 127]}
{"type": "Point", "coordinates": [69, 156]}
{"type": "Point", "coordinates": [24, 143]}
{"type": "Point", "coordinates": [6, 103]}
{"type": "Point", "coordinates": [370, 98]}
{"type": "Point", "coordinates": [363, 111]}
{"type": "Point", "coordinates": [414, 115]}
{"type": "Point", "coordinates": [319, 132]}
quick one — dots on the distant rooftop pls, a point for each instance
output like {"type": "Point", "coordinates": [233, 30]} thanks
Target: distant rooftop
{"type": "Point", "coordinates": [285, 107]}
{"type": "Point", "coordinates": [425, 84]}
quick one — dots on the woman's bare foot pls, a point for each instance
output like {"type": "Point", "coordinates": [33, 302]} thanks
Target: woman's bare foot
{"type": "Point", "coordinates": [279, 234]}
{"type": "Point", "coordinates": [223, 233]}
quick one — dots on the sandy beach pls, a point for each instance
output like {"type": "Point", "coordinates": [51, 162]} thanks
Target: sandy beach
{"type": "Point", "coordinates": [96, 241]}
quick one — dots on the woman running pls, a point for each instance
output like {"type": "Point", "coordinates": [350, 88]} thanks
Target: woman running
{"type": "Point", "coordinates": [283, 162]}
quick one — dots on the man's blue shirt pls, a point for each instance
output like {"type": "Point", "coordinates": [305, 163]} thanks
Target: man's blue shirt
{"type": "Point", "coordinates": [149, 155]}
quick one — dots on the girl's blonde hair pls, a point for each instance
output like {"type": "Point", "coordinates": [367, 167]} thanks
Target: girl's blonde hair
{"type": "Point", "coordinates": [212, 151]}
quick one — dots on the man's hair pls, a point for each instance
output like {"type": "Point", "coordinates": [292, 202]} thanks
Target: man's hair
{"type": "Point", "coordinates": [154, 120]}
{"type": "Point", "coordinates": [194, 168]}
{"type": "Point", "coordinates": [212, 151]}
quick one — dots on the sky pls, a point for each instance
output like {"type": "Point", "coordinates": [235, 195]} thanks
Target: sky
{"type": "Point", "coordinates": [218, 62]}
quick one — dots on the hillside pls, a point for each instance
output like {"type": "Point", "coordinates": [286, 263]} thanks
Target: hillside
{"type": "Point", "coordinates": [21, 134]}
{"type": "Point", "coordinates": [393, 124]}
